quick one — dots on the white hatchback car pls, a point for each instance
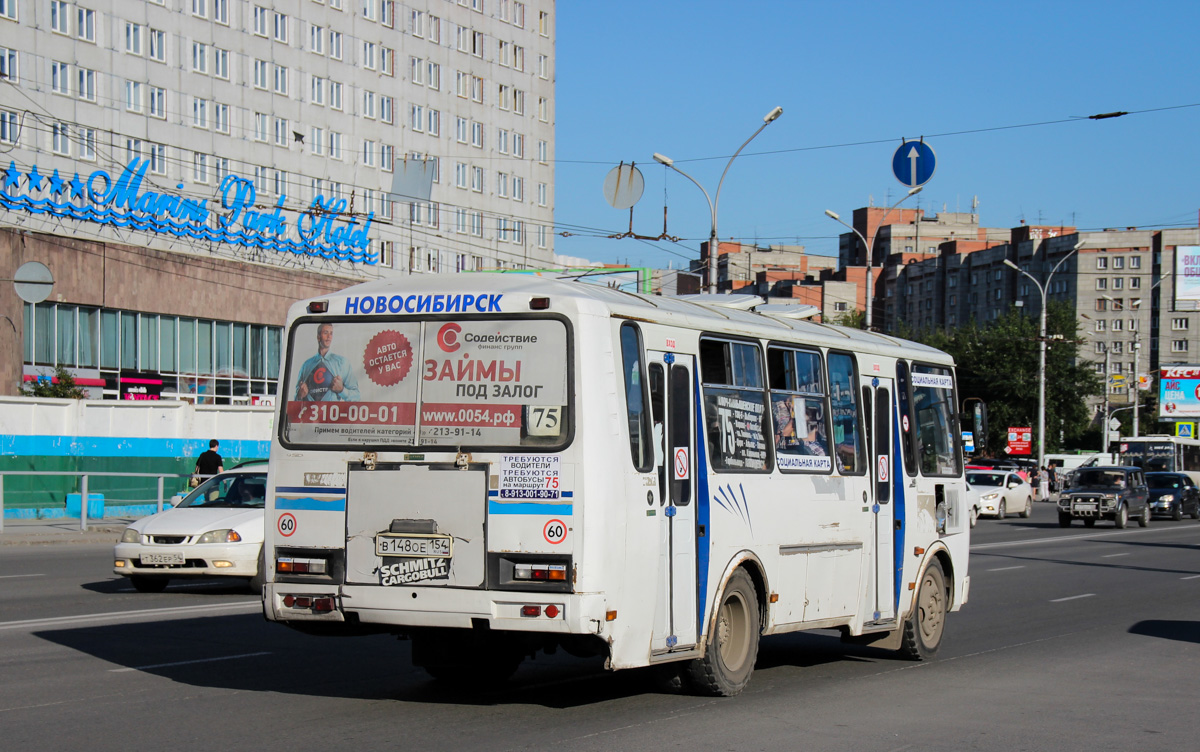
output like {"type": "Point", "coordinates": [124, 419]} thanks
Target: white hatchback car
{"type": "Point", "coordinates": [215, 531]}
{"type": "Point", "coordinates": [1001, 492]}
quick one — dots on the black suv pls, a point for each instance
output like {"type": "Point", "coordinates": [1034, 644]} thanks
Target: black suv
{"type": "Point", "coordinates": [1109, 493]}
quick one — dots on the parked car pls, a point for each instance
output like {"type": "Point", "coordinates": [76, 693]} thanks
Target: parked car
{"type": "Point", "coordinates": [215, 531]}
{"type": "Point", "coordinates": [1108, 493]}
{"type": "Point", "coordinates": [1173, 495]}
{"type": "Point", "coordinates": [999, 492]}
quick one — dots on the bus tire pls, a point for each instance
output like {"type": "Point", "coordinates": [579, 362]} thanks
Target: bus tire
{"type": "Point", "coordinates": [924, 628]}
{"type": "Point", "coordinates": [732, 645]}
{"type": "Point", "coordinates": [147, 584]}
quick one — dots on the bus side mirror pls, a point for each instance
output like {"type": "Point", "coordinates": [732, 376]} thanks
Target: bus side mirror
{"type": "Point", "coordinates": [976, 410]}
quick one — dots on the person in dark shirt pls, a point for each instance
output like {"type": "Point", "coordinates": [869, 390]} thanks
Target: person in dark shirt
{"type": "Point", "coordinates": [210, 463]}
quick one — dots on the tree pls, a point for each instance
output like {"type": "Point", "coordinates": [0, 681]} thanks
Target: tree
{"type": "Point", "coordinates": [62, 385]}
{"type": "Point", "coordinates": [851, 319]}
{"type": "Point", "coordinates": [998, 363]}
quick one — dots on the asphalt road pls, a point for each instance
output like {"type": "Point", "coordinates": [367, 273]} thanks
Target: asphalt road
{"type": "Point", "coordinates": [1073, 639]}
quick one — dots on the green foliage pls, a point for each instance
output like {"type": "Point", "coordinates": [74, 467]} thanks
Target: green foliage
{"type": "Point", "coordinates": [63, 385]}
{"type": "Point", "coordinates": [851, 319]}
{"type": "Point", "coordinates": [998, 363]}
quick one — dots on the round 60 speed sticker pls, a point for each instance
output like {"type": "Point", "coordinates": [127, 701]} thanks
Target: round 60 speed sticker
{"type": "Point", "coordinates": [554, 532]}
{"type": "Point", "coordinates": [287, 524]}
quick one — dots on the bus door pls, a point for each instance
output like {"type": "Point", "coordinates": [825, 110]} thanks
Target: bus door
{"type": "Point", "coordinates": [877, 415]}
{"type": "Point", "coordinates": [671, 398]}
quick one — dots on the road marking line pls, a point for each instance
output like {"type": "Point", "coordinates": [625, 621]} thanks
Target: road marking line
{"type": "Point", "coordinates": [1074, 597]}
{"type": "Point", "coordinates": [11, 576]}
{"type": "Point", "coordinates": [1193, 577]}
{"type": "Point", "coordinates": [1113, 556]}
{"type": "Point", "coordinates": [118, 615]}
{"type": "Point", "coordinates": [187, 663]}
{"type": "Point", "coordinates": [1082, 536]}
{"type": "Point", "coordinates": [1005, 569]}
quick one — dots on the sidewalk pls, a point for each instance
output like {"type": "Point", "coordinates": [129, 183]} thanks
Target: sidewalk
{"type": "Point", "coordinates": [63, 530]}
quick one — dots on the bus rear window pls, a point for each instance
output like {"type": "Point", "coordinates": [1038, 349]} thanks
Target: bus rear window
{"type": "Point", "coordinates": [474, 382]}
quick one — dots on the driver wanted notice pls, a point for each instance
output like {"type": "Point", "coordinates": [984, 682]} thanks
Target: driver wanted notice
{"type": "Point", "coordinates": [529, 476]}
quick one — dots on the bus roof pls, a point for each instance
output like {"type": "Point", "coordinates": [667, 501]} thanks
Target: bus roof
{"type": "Point", "coordinates": [512, 293]}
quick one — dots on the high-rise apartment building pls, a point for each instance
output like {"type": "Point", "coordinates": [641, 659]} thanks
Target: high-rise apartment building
{"type": "Point", "coordinates": [207, 146]}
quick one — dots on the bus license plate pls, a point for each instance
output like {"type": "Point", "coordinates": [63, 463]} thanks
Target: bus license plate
{"type": "Point", "coordinates": [437, 546]}
{"type": "Point", "coordinates": [173, 557]}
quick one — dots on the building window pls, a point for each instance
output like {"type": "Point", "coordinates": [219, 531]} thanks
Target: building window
{"type": "Point", "coordinates": [335, 145]}
{"type": "Point", "coordinates": [1179, 325]}
{"type": "Point", "coordinates": [199, 112]}
{"type": "Point", "coordinates": [1135, 262]}
{"type": "Point", "coordinates": [10, 127]}
{"type": "Point", "coordinates": [477, 179]}
{"type": "Point", "coordinates": [280, 27]}
{"type": "Point", "coordinates": [385, 109]}
{"type": "Point", "coordinates": [518, 143]}
{"type": "Point", "coordinates": [386, 157]}
{"type": "Point", "coordinates": [502, 184]}
{"type": "Point", "coordinates": [518, 102]}
{"type": "Point", "coordinates": [59, 77]}
{"type": "Point", "coordinates": [416, 119]}
{"type": "Point", "coordinates": [221, 118]}
{"type": "Point", "coordinates": [1100, 325]}
{"type": "Point", "coordinates": [542, 152]}
{"type": "Point", "coordinates": [335, 95]}
{"type": "Point", "coordinates": [158, 159]}
{"type": "Point", "coordinates": [200, 8]}
{"type": "Point", "coordinates": [1118, 283]}
{"type": "Point", "coordinates": [200, 168]}
{"type": "Point", "coordinates": [281, 80]}
{"type": "Point", "coordinates": [317, 141]}
{"type": "Point", "coordinates": [158, 45]}
{"type": "Point", "coordinates": [60, 16]}
{"type": "Point", "coordinates": [518, 189]}
{"type": "Point", "coordinates": [1135, 283]}
{"type": "Point", "coordinates": [1118, 262]}
{"type": "Point", "coordinates": [261, 121]}
{"type": "Point", "coordinates": [316, 39]}
{"type": "Point", "coordinates": [199, 57]}
{"type": "Point", "coordinates": [86, 80]}
{"type": "Point", "coordinates": [221, 63]}
{"type": "Point", "coordinates": [262, 20]}
{"type": "Point", "coordinates": [370, 55]}
{"type": "Point", "coordinates": [435, 123]}
{"type": "Point", "coordinates": [335, 45]}
{"type": "Point", "coordinates": [133, 36]}
{"type": "Point", "coordinates": [460, 175]}
{"type": "Point", "coordinates": [477, 135]}
{"type": "Point", "coordinates": [368, 153]}
{"type": "Point", "coordinates": [368, 104]}
{"type": "Point", "coordinates": [1179, 345]}
{"type": "Point", "coordinates": [541, 194]}
{"type": "Point", "coordinates": [1102, 283]}
{"type": "Point", "coordinates": [1101, 262]}
{"type": "Point", "coordinates": [133, 96]}
{"type": "Point", "coordinates": [281, 132]}
{"type": "Point", "coordinates": [85, 24]}
{"type": "Point", "coordinates": [262, 73]}
{"type": "Point", "coordinates": [60, 137]}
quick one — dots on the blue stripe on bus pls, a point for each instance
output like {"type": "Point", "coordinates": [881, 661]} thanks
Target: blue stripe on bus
{"type": "Point", "coordinates": [702, 511]}
{"type": "Point", "coordinates": [126, 446]}
{"type": "Point", "coordinates": [316, 490]}
{"type": "Point", "coordinates": [307, 503]}
{"type": "Point", "coordinates": [499, 507]}
{"type": "Point", "coordinates": [898, 476]}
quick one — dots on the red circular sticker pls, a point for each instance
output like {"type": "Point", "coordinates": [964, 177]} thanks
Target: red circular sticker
{"type": "Point", "coordinates": [388, 358]}
{"type": "Point", "coordinates": [554, 532]}
{"type": "Point", "coordinates": [287, 524]}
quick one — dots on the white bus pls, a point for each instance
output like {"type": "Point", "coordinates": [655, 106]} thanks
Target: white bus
{"type": "Point", "coordinates": [495, 464]}
{"type": "Point", "coordinates": [1161, 453]}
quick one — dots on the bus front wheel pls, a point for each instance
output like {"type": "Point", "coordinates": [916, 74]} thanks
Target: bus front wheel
{"type": "Point", "coordinates": [924, 628]}
{"type": "Point", "coordinates": [733, 643]}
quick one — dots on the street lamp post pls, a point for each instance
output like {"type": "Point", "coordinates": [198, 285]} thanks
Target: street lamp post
{"type": "Point", "coordinates": [714, 202]}
{"type": "Point", "coordinates": [1042, 348]}
{"type": "Point", "coordinates": [870, 245]}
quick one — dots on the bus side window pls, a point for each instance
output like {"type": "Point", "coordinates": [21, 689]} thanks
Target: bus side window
{"type": "Point", "coordinates": [847, 440]}
{"type": "Point", "coordinates": [657, 410]}
{"type": "Point", "coordinates": [638, 419]}
{"type": "Point", "coordinates": [906, 420]}
{"type": "Point", "coordinates": [735, 406]}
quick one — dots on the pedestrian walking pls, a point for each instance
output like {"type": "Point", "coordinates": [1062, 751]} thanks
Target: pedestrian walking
{"type": "Point", "coordinates": [209, 464]}
{"type": "Point", "coordinates": [1044, 483]}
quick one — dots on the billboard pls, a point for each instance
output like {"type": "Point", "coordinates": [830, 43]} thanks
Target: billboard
{"type": "Point", "coordinates": [1020, 441]}
{"type": "Point", "coordinates": [1187, 277]}
{"type": "Point", "coordinates": [1178, 392]}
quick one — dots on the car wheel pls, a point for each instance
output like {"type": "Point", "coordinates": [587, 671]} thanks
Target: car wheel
{"type": "Point", "coordinates": [1177, 511]}
{"type": "Point", "coordinates": [1144, 520]}
{"type": "Point", "coordinates": [1000, 510]}
{"type": "Point", "coordinates": [1122, 517]}
{"type": "Point", "coordinates": [1196, 511]}
{"type": "Point", "coordinates": [144, 584]}
{"type": "Point", "coordinates": [732, 645]}
{"type": "Point", "coordinates": [1028, 508]}
{"type": "Point", "coordinates": [924, 628]}
{"type": "Point", "coordinates": [1064, 520]}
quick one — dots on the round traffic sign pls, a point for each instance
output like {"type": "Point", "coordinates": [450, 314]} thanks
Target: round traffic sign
{"type": "Point", "coordinates": [287, 524]}
{"type": "Point", "coordinates": [914, 163]}
{"type": "Point", "coordinates": [33, 282]}
{"type": "Point", "coordinates": [623, 186]}
{"type": "Point", "coordinates": [554, 532]}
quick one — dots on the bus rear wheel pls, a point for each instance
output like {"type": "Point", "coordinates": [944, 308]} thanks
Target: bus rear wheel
{"type": "Point", "coordinates": [732, 646]}
{"type": "Point", "coordinates": [924, 628]}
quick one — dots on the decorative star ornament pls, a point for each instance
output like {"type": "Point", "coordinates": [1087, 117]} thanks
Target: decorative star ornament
{"type": "Point", "coordinates": [76, 186]}
{"type": "Point", "coordinates": [56, 184]}
{"type": "Point", "coordinates": [12, 178]}
{"type": "Point", "coordinates": [35, 179]}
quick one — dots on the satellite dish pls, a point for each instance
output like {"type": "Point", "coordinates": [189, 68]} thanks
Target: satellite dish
{"type": "Point", "coordinates": [33, 282]}
{"type": "Point", "coordinates": [623, 186]}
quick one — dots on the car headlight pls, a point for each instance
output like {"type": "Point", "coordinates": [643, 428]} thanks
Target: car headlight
{"type": "Point", "coordinates": [990, 497]}
{"type": "Point", "coordinates": [1167, 497]}
{"type": "Point", "coordinates": [220, 536]}
{"type": "Point", "coordinates": [131, 536]}
{"type": "Point", "coordinates": [1110, 497]}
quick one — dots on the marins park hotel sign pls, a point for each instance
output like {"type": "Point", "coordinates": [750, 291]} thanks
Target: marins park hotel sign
{"type": "Point", "coordinates": [232, 218]}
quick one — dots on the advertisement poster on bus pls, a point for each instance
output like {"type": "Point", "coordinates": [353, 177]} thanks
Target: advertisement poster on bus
{"type": "Point", "coordinates": [1178, 392]}
{"type": "Point", "coordinates": [469, 382]}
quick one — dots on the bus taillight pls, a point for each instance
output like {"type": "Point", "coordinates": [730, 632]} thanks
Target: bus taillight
{"type": "Point", "coordinates": [540, 572]}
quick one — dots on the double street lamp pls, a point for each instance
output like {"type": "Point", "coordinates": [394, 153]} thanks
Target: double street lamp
{"type": "Point", "coordinates": [712, 203]}
{"type": "Point", "coordinates": [869, 246]}
{"type": "Point", "coordinates": [1043, 289]}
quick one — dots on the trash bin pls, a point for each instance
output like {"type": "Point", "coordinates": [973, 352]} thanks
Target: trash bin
{"type": "Point", "coordinates": [95, 508]}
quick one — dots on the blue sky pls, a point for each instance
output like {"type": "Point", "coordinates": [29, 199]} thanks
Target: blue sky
{"type": "Point", "coordinates": [693, 80]}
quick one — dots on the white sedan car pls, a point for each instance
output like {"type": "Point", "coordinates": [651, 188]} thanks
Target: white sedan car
{"type": "Point", "coordinates": [215, 531]}
{"type": "Point", "coordinates": [1000, 492]}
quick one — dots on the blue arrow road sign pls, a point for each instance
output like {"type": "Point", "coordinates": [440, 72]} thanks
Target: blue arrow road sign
{"type": "Point", "coordinates": [913, 163]}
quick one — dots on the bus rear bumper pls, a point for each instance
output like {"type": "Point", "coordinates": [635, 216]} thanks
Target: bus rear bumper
{"type": "Point", "coordinates": [400, 607]}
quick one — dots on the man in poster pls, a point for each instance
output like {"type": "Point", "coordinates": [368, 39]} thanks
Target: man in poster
{"type": "Point", "coordinates": [326, 377]}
